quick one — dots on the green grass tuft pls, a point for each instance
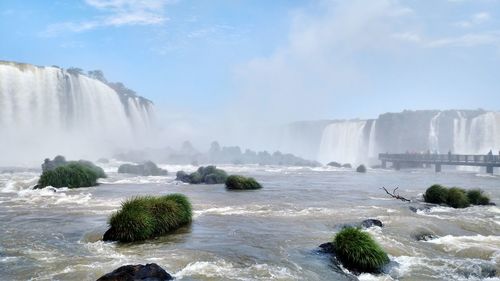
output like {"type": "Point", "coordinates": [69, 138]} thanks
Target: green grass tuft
{"type": "Point", "coordinates": [235, 182]}
{"type": "Point", "coordinates": [141, 218]}
{"type": "Point", "coordinates": [70, 175]}
{"type": "Point", "coordinates": [436, 194]}
{"type": "Point", "coordinates": [457, 198]}
{"type": "Point", "coordinates": [476, 197]}
{"type": "Point", "coordinates": [358, 251]}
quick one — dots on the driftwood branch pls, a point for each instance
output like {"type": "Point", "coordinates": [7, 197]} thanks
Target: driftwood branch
{"type": "Point", "coordinates": [396, 196]}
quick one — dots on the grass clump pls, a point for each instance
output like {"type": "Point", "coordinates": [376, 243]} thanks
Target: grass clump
{"type": "Point", "coordinates": [476, 197]}
{"type": "Point", "coordinates": [455, 197]}
{"type": "Point", "coordinates": [141, 218]}
{"type": "Point", "coordinates": [358, 251]}
{"type": "Point", "coordinates": [234, 182]}
{"type": "Point", "coordinates": [436, 194]}
{"type": "Point", "coordinates": [207, 175]}
{"type": "Point", "coordinates": [71, 175]}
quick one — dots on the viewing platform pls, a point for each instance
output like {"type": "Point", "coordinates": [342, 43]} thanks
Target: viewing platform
{"type": "Point", "coordinates": [438, 160]}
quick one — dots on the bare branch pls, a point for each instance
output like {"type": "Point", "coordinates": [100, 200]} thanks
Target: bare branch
{"type": "Point", "coordinates": [394, 195]}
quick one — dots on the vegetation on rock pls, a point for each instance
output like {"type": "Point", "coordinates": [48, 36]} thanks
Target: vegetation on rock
{"type": "Point", "coordinates": [476, 197]}
{"type": "Point", "coordinates": [208, 175]}
{"type": "Point", "coordinates": [358, 251]}
{"type": "Point", "coordinates": [455, 197]}
{"type": "Point", "coordinates": [148, 168]}
{"type": "Point", "coordinates": [234, 182]}
{"type": "Point", "coordinates": [142, 218]}
{"type": "Point", "coordinates": [72, 174]}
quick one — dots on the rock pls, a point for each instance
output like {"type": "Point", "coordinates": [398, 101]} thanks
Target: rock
{"type": "Point", "coordinates": [327, 247]}
{"type": "Point", "coordinates": [334, 164]}
{"type": "Point", "coordinates": [103, 160]}
{"type": "Point", "coordinates": [361, 169]}
{"type": "Point", "coordinates": [425, 236]}
{"type": "Point", "coordinates": [207, 175]}
{"type": "Point", "coordinates": [419, 208]}
{"type": "Point", "coordinates": [148, 168]}
{"type": "Point", "coordinates": [148, 272]}
{"type": "Point", "coordinates": [347, 165]}
{"type": "Point", "coordinates": [371, 222]}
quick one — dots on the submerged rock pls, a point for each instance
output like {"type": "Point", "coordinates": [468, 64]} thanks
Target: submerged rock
{"type": "Point", "coordinates": [371, 222]}
{"type": "Point", "coordinates": [425, 236]}
{"type": "Point", "coordinates": [148, 272]}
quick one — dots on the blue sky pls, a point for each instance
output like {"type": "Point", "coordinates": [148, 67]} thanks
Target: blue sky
{"type": "Point", "coordinates": [280, 60]}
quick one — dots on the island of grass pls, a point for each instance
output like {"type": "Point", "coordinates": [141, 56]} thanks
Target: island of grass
{"type": "Point", "coordinates": [455, 197]}
{"type": "Point", "coordinates": [147, 168]}
{"type": "Point", "coordinates": [207, 175]}
{"type": "Point", "coordinates": [358, 252]}
{"type": "Point", "coordinates": [146, 217]}
{"type": "Point", "coordinates": [73, 174]}
{"type": "Point", "coordinates": [235, 182]}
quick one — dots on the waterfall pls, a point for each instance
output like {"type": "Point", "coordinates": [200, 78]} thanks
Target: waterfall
{"type": "Point", "coordinates": [434, 133]}
{"type": "Point", "coordinates": [477, 135]}
{"type": "Point", "coordinates": [343, 142]}
{"type": "Point", "coordinates": [46, 111]}
{"type": "Point", "coordinates": [372, 145]}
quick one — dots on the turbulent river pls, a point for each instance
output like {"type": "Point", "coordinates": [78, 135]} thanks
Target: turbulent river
{"type": "Point", "coordinates": [269, 234]}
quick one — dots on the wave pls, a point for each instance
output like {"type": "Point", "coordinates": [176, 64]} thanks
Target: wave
{"type": "Point", "coordinates": [228, 270]}
{"type": "Point", "coordinates": [434, 268]}
{"type": "Point", "coordinates": [264, 210]}
{"type": "Point", "coordinates": [478, 245]}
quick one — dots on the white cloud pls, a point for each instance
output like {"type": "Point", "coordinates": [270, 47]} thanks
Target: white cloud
{"type": "Point", "coordinates": [318, 64]}
{"type": "Point", "coordinates": [468, 40]}
{"type": "Point", "coordinates": [474, 20]}
{"type": "Point", "coordinates": [115, 13]}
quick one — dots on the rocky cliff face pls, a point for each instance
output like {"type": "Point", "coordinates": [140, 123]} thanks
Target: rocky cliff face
{"type": "Point", "coordinates": [49, 110]}
{"type": "Point", "coordinates": [360, 141]}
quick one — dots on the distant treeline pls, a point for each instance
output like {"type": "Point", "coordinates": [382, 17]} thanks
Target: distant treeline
{"type": "Point", "coordinates": [187, 154]}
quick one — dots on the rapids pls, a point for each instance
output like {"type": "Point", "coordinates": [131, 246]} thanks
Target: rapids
{"type": "Point", "coordinates": [269, 234]}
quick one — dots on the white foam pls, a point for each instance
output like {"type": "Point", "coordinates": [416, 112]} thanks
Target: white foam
{"type": "Point", "coordinates": [224, 269]}
{"type": "Point", "coordinates": [264, 210]}
{"type": "Point", "coordinates": [455, 244]}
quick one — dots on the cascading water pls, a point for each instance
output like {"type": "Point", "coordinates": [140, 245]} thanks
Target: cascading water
{"type": "Point", "coordinates": [434, 133]}
{"type": "Point", "coordinates": [372, 145]}
{"type": "Point", "coordinates": [46, 111]}
{"type": "Point", "coordinates": [343, 142]}
{"type": "Point", "coordinates": [481, 136]}
{"type": "Point", "coordinates": [462, 132]}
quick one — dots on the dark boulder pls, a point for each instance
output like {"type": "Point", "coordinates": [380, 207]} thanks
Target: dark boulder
{"type": "Point", "coordinates": [361, 169]}
{"type": "Point", "coordinates": [327, 247]}
{"type": "Point", "coordinates": [148, 272]}
{"type": "Point", "coordinates": [207, 175]}
{"type": "Point", "coordinates": [371, 222]}
{"type": "Point", "coordinates": [334, 164]}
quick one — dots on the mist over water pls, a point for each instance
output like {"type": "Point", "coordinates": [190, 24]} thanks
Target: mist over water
{"type": "Point", "coordinates": [292, 101]}
{"type": "Point", "coordinates": [46, 111]}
